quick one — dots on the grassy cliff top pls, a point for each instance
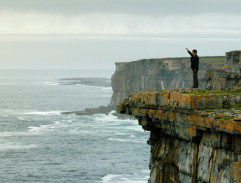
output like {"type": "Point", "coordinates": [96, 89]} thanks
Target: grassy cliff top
{"type": "Point", "coordinates": [207, 92]}
{"type": "Point", "coordinates": [200, 92]}
{"type": "Point", "coordinates": [205, 59]}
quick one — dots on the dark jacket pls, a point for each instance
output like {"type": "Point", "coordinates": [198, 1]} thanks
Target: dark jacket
{"type": "Point", "coordinates": [194, 61]}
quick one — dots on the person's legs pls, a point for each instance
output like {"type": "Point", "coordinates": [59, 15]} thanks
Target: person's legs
{"type": "Point", "coordinates": [195, 80]}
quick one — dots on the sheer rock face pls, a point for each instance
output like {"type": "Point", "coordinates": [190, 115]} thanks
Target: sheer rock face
{"type": "Point", "coordinates": [227, 77]}
{"type": "Point", "coordinates": [194, 138]}
{"type": "Point", "coordinates": [157, 74]}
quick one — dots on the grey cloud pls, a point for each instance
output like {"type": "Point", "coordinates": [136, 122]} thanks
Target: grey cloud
{"type": "Point", "coordinates": [144, 7]}
{"type": "Point", "coordinates": [72, 53]}
{"type": "Point", "coordinates": [51, 41]}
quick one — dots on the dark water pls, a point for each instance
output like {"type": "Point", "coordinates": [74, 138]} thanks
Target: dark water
{"type": "Point", "coordinates": [38, 144]}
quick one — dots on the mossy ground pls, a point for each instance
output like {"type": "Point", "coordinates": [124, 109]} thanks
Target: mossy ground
{"type": "Point", "coordinates": [158, 91]}
{"type": "Point", "coordinates": [237, 107]}
{"type": "Point", "coordinates": [202, 92]}
{"type": "Point", "coordinates": [206, 92]}
{"type": "Point", "coordinates": [211, 60]}
{"type": "Point", "coordinates": [227, 117]}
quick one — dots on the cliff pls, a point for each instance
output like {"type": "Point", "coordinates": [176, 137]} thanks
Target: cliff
{"type": "Point", "coordinates": [158, 74]}
{"type": "Point", "coordinates": [148, 74]}
{"type": "Point", "coordinates": [227, 77]}
{"type": "Point", "coordinates": [195, 134]}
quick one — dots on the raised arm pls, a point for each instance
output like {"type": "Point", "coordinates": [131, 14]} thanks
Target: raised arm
{"type": "Point", "coordinates": [190, 53]}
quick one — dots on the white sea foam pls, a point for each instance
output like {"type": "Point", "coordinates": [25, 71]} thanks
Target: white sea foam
{"type": "Point", "coordinates": [146, 171]}
{"type": "Point", "coordinates": [37, 129]}
{"type": "Point", "coordinates": [111, 178]}
{"type": "Point", "coordinates": [107, 88]}
{"type": "Point", "coordinates": [77, 131]}
{"type": "Point", "coordinates": [132, 136]}
{"type": "Point", "coordinates": [127, 140]}
{"type": "Point", "coordinates": [111, 118]}
{"type": "Point", "coordinates": [134, 128]}
{"type": "Point", "coordinates": [10, 134]}
{"type": "Point", "coordinates": [7, 146]}
{"type": "Point", "coordinates": [44, 113]}
{"type": "Point", "coordinates": [117, 123]}
{"type": "Point", "coordinates": [21, 118]}
{"type": "Point", "coordinates": [135, 180]}
{"type": "Point", "coordinates": [50, 83]}
{"type": "Point", "coordinates": [108, 178]}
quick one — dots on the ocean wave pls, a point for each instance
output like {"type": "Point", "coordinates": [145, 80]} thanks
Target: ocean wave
{"type": "Point", "coordinates": [10, 134]}
{"type": "Point", "coordinates": [108, 178]}
{"type": "Point", "coordinates": [114, 178]}
{"type": "Point", "coordinates": [111, 118]}
{"type": "Point", "coordinates": [50, 83]}
{"type": "Point", "coordinates": [44, 113]}
{"type": "Point", "coordinates": [111, 121]}
{"type": "Point", "coordinates": [107, 88]}
{"type": "Point", "coordinates": [127, 140]}
{"type": "Point", "coordinates": [43, 128]}
{"type": "Point", "coordinates": [7, 146]}
{"type": "Point", "coordinates": [77, 131]}
{"type": "Point", "coordinates": [21, 118]}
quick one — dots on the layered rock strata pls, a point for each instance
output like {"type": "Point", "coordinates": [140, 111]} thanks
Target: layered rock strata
{"type": "Point", "coordinates": [195, 135]}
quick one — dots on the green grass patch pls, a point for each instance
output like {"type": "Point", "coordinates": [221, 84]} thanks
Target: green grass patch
{"type": "Point", "coordinates": [214, 60]}
{"type": "Point", "coordinates": [211, 110]}
{"type": "Point", "coordinates": [227, 117]}
{"type": "Point", "coordinates": [237, 107]}
{"type": "Point", "coordinates": [207, 92]}
{"type": "Point", "coordinates": [158, 91]}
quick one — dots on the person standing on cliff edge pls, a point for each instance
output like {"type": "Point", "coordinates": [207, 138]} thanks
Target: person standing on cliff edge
{"type": "Point", "coordinates": [194, 66]}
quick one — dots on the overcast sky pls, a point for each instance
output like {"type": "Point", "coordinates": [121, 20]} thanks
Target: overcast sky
{"type": "Point", "coordinates": [84, 34]}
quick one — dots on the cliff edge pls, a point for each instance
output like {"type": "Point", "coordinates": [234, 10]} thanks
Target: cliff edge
{"type": "Point", "coordinates": [195, 134]}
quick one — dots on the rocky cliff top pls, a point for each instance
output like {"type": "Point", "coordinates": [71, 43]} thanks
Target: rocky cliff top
{"type": "Point", "coordinates": [213, 110]}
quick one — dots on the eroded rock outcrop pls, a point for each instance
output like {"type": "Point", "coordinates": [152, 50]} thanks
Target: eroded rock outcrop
{"type": "Point", "coordinates": [195, 135]}
{"type": "Point", "coordinates": [227, 77]}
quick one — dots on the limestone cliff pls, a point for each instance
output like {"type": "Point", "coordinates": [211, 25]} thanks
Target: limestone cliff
{"type": "Point", "coordinates": [157, 74]}
{"type": "Point", "coordinates": [227, 77]}
{"type": "Point", "coordinates": [195, 135]}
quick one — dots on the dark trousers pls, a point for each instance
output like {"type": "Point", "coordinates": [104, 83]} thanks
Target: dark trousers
{"type": "Point", "coordinates": [195, 79]}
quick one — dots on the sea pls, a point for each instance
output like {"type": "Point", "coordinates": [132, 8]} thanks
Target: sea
{"type": "Point", "coordinates": [39, 144]}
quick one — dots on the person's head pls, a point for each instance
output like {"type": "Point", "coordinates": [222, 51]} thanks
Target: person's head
{"type": "Point", "coordinates": [194, 52]}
